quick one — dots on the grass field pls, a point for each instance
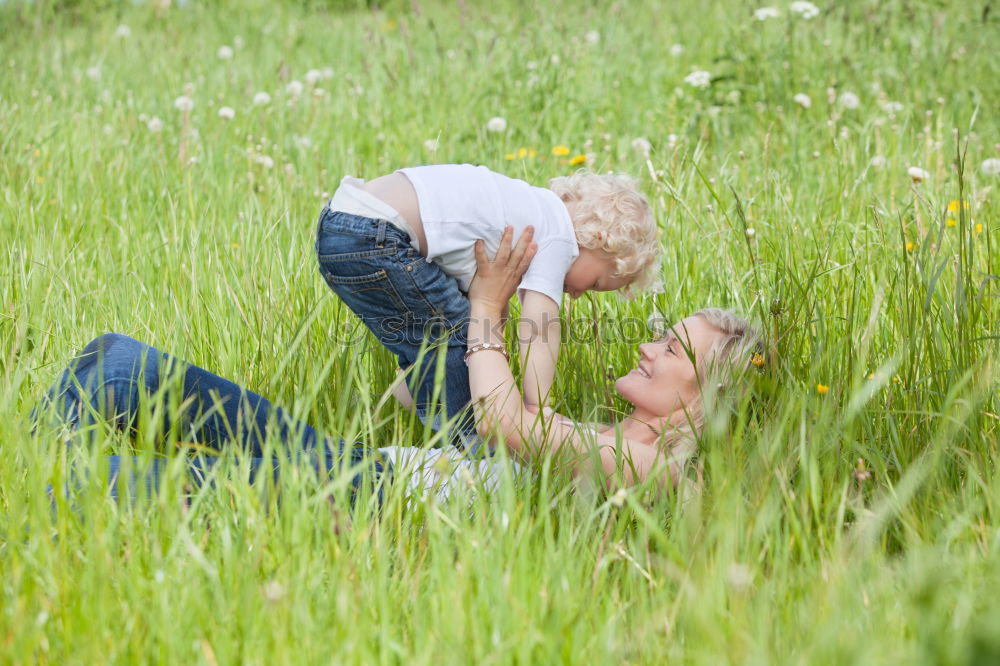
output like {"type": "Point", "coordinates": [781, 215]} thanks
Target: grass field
{"type": "Point", "coordinates": [834, 176]}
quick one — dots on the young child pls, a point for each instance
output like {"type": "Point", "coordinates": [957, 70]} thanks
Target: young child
{"type": "Point", "coordinates": [399, 252]}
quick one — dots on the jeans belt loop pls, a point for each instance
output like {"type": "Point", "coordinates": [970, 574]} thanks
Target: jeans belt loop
{"type": "Point", "coordinates": [380, 234]}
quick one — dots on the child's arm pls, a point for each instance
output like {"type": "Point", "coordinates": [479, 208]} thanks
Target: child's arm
{"type": "Point", "coordinates": [538, 335]}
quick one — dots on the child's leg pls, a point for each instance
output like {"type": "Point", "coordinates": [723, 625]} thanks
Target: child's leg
{"type": "Point", "coordinates": [438, 376]}
{"type": "Point", "coordinates": [401, 392]}
{"type": "Point", "coordinates": [411, 306]}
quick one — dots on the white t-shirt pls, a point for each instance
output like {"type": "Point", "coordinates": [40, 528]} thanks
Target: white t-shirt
{"type": "Point", "coordinates": [461, 203]}
{"type": "Point", "coordinates": [445, 471]}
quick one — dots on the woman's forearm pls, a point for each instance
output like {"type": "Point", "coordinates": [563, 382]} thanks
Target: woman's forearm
{"type": "Point", "coordinates": [495, 398]}
{"type": "Point", "coordinates": [538, 333]}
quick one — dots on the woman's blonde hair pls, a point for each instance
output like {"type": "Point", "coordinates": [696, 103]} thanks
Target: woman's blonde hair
{"type": "Point", "coordinates": [610, 214]}
{"type": "Point", "coordinates": [735, 352]}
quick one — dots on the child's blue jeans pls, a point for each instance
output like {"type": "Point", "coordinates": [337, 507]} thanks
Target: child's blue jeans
{"type": "Point", "coordinates": [411, 306]}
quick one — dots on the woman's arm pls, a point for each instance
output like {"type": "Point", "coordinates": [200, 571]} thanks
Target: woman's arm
{"type": "Point", "coordinates": [498, 405]}
{"type": "Point", "coordinates": [538, 334]}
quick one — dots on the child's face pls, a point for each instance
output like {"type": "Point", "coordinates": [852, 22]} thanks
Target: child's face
{"type": "Point", "coordinates": [592, 271]}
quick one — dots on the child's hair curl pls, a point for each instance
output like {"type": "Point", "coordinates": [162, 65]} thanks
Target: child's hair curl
{"type": "Point", "coordinates": [610, 214]}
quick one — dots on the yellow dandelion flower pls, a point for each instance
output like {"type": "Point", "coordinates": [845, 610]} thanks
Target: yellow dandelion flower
{"type": "Point", "coordinates": [509, 156]}
{"type": "Point", "coordinates": [910, 246]}
{"type": "Point", "coordinates": [871, 375]}
{"type": "Point", "coordinates": [532, 152]}
{"type": "Point", "coordinates": [577, 160]}
{"type": "Point", "coordinates": [40, 179]}
{"type": "Point", "coordinates": [979, 228]}
{"type": "Point", "coordinates": [895, 380]}
{"type": "Point", "coordinates": [522, 153]}
{"type": "Point", "coordinates": [951, 222]}
{"type": "Point", "coordinates": [560, 151]}
{"type": "Point", "coordinates": [955, 205]}
{"type": "Point", "coordinates": [37, 153]}
{"type": "Point", "coordinates": [822, 389]}
{"type": "Point", "coordinates": [758, 360]}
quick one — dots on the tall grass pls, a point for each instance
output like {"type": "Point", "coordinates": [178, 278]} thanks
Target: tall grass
{"type": "Point", "coordinates": [849, 505]}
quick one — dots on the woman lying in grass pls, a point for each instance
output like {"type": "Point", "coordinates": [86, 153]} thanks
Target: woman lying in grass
{"type": "Point", "coordinates": [124, 382]}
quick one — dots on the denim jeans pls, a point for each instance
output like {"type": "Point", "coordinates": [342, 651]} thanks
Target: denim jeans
{"type": "Point", "coordinates": [114, 374]}
{"type": "Point", "coordinates": [410, 305]}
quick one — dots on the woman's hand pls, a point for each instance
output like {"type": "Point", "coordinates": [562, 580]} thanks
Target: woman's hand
{"type": "Point", "coordinates": [496, 281]}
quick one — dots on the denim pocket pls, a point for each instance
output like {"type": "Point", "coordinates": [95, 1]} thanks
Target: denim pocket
{"type": "Point", "coordinates": [360, 255]}
{"type": "Point", "coordinates": [371, 296]}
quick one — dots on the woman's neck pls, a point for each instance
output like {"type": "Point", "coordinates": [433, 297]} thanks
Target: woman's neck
{"type": "Point", "coordinates": [650, 428]}
{"type": "Point", "coordinates": [641, 427]}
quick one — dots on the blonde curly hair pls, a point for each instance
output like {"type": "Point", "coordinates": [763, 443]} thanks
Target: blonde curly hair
{"type": "Point", "coordinates": [610, 214]}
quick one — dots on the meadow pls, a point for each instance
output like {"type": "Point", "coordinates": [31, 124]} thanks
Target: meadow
{"type": "Point", "coordinates": [832, 171]}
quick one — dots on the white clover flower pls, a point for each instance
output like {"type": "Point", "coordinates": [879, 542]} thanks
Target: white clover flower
{"type": "Point", "coordinates": [554, 59]}
{"type": "Point", "coordinates": [765, 13]}
{"type": "Point", "coordinates": [304, 141]}
{"type": "Point", "coordinates": [431, 145]}
{"type": "Point", "coordinates": [739, 576]}
{"type": "Point", "coordinates": [294, 88]}
{"type": "Point", "coordinates": [676, 50]}
{"type": "Point", "coordinates": [892, 107]}
{"type": "Point", "coordinates": [917, 174]}
{"type": "Point", "coordinates": [261, 98]}
{"type": "Point", "coordinates": [184, 103]}
{"type": "Point", "coordinates": [94, 73]}
{"type": "Point", "coordinates": [698, 79]}
{"type": "Point", "coordinates": [274, 591]}
{"type": "Point", "coordinates": [990, 167]}
{"type": "Point", "coordinates": [123, 31]}
{"type": "Point", "coordinates": [313, 76]}
{"type": "Point", "coordinates": [227, 112]}
{"type": "Point", "coordinates": [802, 100]}
{"type": "Point", "coordinates": [806, 10]}
{"type": "Point", "coordinates": [225, 52]}
{"type": "Point", "coordinates": [592, 37]}
{"type": "Point", "coordinates": [877, 162]}
{"type": "Point", "coordinates": [642, 145]}
{"type": "Point", "coordinates": [618, 499]}
{"type": "Point", "coordinates": [671, 140]}
{"type": "Point", "coordinates": [751, 232]}
{"type": "Point", "coordinates": [849, 100]}
{"type": "Point", "coordinates": [328, 72]}
{"type": "Point", "coordinates": [155, 125]}
{"type": "Point", "coordinates": [496, 124]}
{"type": "Point", "coordinates": [265, 161]}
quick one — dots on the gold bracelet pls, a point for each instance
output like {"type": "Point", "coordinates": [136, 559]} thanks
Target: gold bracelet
{"type": "Point", "coordinates": [483, 346]}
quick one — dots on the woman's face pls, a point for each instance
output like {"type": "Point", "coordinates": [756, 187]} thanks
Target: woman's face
{"type": "Point", "coordinates": [666, 378]}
